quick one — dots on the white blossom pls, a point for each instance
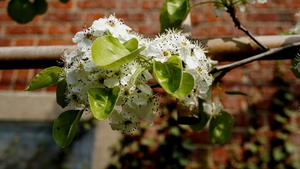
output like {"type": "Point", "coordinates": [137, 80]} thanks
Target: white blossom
{"type": "Point", "coordinates": [125, 121]}
{"type": "Point", "coordinates": [211, 108]}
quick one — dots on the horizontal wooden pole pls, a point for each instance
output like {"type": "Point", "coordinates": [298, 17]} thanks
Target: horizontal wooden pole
{"type": "Point", "coordinates": [221, 49]}
{"type": "Point", "coordinates": [235, 49]}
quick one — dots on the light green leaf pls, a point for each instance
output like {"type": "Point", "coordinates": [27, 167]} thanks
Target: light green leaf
{"type": "Point", "coordinates": [220, 128]}
{"type": "Point", "coordinates": [45, 78]}
{"type": "Point", "coordinates": [61, 93]}
{"type": "Point", "coordinates": [236, 93]}
{"type": "Point", "coordinates": [186, 86]}
{"type": "Point", "coordinates": [65, 127]}
{"type": "Point", "coordinates": [131, 44]}
{"type": "Point", "coordinates": [102, 101]}
{"type": "Point", "coordinates": [178, 9]}
{"type": "Point", "coordinates": [166, 20]}
{"type": "Point", "coordinates": [168, 74]}
{"type": "Point", "coordinates": [107, 51]}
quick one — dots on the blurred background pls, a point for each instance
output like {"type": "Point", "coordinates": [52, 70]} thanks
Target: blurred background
{"type": "Point", "coordinates": [266, 123]}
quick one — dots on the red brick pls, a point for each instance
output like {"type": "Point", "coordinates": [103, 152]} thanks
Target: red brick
{"type": "Point", "coordinates": [76, 28]}
{"type": "Point", "coordinates": [51, 88]}
{"type": "Point", "coordinates": [25, 29]}
{"type": "Point", "coordinates": [60, 5]}
{"type": "Point", "coordinates": [233, 104]}
{"type": "Point", "coordinates": [148, 30]}
{"type": "Point", "coordinates": [260, 76]}
{"type": "Point", "coordinates": [91, 17]}
{"type": "Point", "coordinates": [6, 79]}
{"type": "Point", "coordinates": [199, 137]}
{"type": "Point", "coordinates": [24, 42]}
{"type": "Point", "coordinates": [268, 17]}
{"type": "Point", "coordinates": [134, 17]}
{"type": "Point", "coordinates": [58, 29]}
{"type": "Point", "coordinates": [269, 90]}
{"type": "Point", "coordinates": [133, 4]}
{"type": "Point", "coordinates": [264, 103]}
{"type": "Point", "coordinates": [88, 4]}
{"type": "Point", "coordinates": [268, 29]}
{"type": "Point", "coordinates": [5, 42]}
{"type": "Point", "coordinates": [63, 16]}
{"type": "Point", "coordinates": [241, 120]}
{"type": "Point", "coordinates": [3, 4]}
{"type": "Point", "coordinates": [56, 41]}
{"type": "Point", "coordinates": [199, 32]}
{"type": "Point", "coordinates": [153, 4]}
{"type": "Point", "coordinates": [22, 80]}
{"type": "Point", "coordinates": [220, 155]}
{"type": "Point", "coordinates": [233, 75]}
{"type": "Point", "coordinates": [5, 17]}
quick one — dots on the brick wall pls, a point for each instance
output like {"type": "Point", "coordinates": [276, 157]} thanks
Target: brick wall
{"type": "Point", "coordinates": [62, 21]}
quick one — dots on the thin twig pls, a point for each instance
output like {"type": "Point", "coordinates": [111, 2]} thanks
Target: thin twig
{"type": "Point", "coordinates": [226, 68]}
{"type": "Point", "coordinates": [232, 12]}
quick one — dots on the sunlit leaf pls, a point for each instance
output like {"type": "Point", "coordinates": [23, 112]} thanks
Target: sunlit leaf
{"type": "Point", "coordinates": [107, 51]}
{"type": "Point", "coordinates": [45, 78]}
{"type": "Point", "coordinates": [186, 86]}
{"type": "Point", "coordinates": [102, 101]}
{"type": "Point", "coordinates": [167, 21]}
{"type": "Point", "coordinates": [65, 127]}
{"type": "Point", "coordinates": [168, 74]}
{"type": "Point", "coordinates": [178, 9]}
{"type": "Point", "coordinates": [131, 44]}
{"type": "Point", "coordinates": [220, 128]}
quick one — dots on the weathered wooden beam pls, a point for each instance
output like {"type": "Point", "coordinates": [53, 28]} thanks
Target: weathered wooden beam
{"type": "Point", "coordinates": [235, 49]}
{"type": "Point", "coordinates": [221, 49]}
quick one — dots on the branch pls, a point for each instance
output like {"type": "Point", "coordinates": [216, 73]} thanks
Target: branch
{"type": "Point", "coordinates": [226, 68]}
{"type": "Point", "coordinates": [232, 12]}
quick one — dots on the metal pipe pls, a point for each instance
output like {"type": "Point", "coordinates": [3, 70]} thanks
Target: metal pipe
{"type": "Point", "coordinates": [221, 49]}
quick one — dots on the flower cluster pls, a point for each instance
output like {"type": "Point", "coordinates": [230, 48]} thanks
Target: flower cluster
{"type": "Point", "coordinates": [222, 5]}
{"type": "Point", "coordinates": [136, 99]}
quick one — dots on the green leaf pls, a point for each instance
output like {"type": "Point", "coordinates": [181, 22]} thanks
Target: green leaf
{"type": "Point", "coordinates": [65, 127]}
{"type": "Point", "coordinates": [21, 11]}
{"type": "Point", "coordinates": [107, 51]}
{"type": "Point", "coordinates": [40, 6]}
{"type": "Point", "coordinates": [220, 128]}
{"type": "Point", "coordinates": [204, 118]}
{"type": "Point", "coordinates": [166, 20]}
{"type": "Point", "coordinates": [131, 44]}
{"type": "Point", "coordinates": [45, 78]}
{"type": "Point", "coordinates": [178, 9]}
{"type": "Point", "coordinates": [168, 74]}
{"type": "Point", "coordinates": [236, 93]}
{"type": "Point", "coordinates": [186, 86]}
{"type": "Point", "coordinates": [294, 62]}
{"type": "Point", "coordinates": [102, 101]}
{"type": "Point", "coordinates": [61, 93]}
